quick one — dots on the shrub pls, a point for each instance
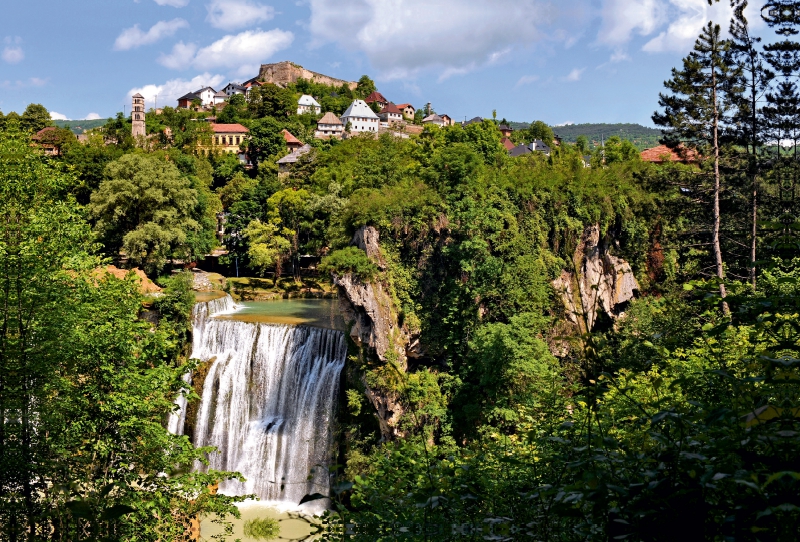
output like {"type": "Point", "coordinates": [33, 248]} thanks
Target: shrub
{"type": "Point", "coordinates": [349, 260]}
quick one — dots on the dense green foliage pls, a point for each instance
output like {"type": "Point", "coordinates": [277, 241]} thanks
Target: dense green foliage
{"type": "Point", "coordinates": [86, 384]}
{"type": "Point", "coordinates": [671, 415]}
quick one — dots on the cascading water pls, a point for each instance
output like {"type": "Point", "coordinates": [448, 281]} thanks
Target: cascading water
{"type": "Point", "coordinates": [268, 403]}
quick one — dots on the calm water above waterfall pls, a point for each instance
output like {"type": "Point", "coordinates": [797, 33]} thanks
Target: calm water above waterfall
{"type": "Point", "coordinates": [268, 401]}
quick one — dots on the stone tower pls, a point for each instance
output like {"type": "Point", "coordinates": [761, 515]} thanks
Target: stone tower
{"type": "Point", "coordinates": [137, 116]}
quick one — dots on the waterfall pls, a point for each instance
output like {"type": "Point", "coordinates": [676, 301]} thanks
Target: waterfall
{"type": "Point", "coordinates": [200, 314]}
{"type": "Point", "coordinates": [268, 403]}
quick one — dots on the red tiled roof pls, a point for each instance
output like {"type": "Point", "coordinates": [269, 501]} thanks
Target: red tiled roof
{"type": "Point", "coordinates": [403, 106]}
{"type": "Point", "coordinates": [290, 139]}
{"type": "Point", "coordinates": [229, 129]}
{"type": "Point", "coordinates": [376, 97]}
{"type": "Point", "coordinates": [43, 131]}
{"type": "Point", "coordinates": [507, 143]}
{"type": "Point", "coordinates": [391, 108]}
{"type": "Point", "coordinates": [663, 153]}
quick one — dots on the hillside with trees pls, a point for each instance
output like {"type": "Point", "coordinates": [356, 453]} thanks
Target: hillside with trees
{"type": "Point", "coordinates": [545, 348]}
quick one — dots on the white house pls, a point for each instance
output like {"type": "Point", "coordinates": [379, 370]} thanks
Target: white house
{"type": "Point", "coordinates": [307, 104]}
{"type": "Point", "coordinates": [329, 126]}
{"type": "Point", "coordinates": [220, 97]}
{"type": "Point", "coordinates": [233, 88]}
{"type": "Point", "coordinates": [206, 95]}
{"type": "Point", "coordinates": [433, 119]}
{"type": "Point", "coordinates": [361, 118]}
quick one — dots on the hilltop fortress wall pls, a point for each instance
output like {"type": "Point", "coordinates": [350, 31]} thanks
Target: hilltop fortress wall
{"type": "Point", "coordinates": [284, 73]}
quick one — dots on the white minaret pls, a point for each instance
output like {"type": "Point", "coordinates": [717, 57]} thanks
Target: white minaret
{"type": "Point", "coordinates": [137, 116]}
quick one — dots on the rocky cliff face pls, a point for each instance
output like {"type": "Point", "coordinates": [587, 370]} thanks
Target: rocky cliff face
{"type": "Point", "coordinates": [603, 283]}
{"type": "Point", "coordinates": [375, 328]}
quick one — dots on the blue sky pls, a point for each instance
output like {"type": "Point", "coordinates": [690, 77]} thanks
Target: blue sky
{"type": "Point", "coordinates": [554, 60]}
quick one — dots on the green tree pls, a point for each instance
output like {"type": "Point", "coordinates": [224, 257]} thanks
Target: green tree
{"type": "Point", "coordinates": [365, 87]}
{"type": "Point", "coordinates": [145, 208]}
{"type": "Point", "coordinates": [617, 150]}
{"type": "Point", "coordinates": [695, 111]}
{"type": "Point", "coordinates": [269, 245]}
{"type": "Point", "coordinates": [271, 101]}
{"type": "Point", "coordinates": [35, 118]}
{"type": "Point", "coordinates": [60, 138]}
{"type": "Point", "coordinates": [266, 141]}
{"type": "Point", "coordinates": [2, 121]}
{"type": "Point", "coordinates": [289, 207]}
{"type": "Point", "coordinates": [86, 384]}
{"type": "Point", "coordinates": [234, 111]}
{"type": "Point", "coordinates": [582, 143]}
{"type": "Point", "coordinates": [540, 130]}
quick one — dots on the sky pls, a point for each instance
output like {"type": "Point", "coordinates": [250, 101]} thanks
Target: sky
{"type": "Point", "coordinates": [560, 61]}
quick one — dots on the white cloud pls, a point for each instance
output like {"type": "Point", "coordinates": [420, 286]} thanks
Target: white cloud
{"type": "Point", "coordinates": [526, 80]}
{"type": "Point", "coordinates": [244, 51]}
{"type": "Point", "coordinates": [402, 37]}
{"type": "Point", "coordinates": [12, 52]}
{"type": "Point", "coordinates": [173, 3]}
{"type": "Point", "coordinates": [57, 116]}
{"type": "Point", "coordinates": [133, 37]}
{"type": "Point", "coordinates": [574, 75]}
{"type": "Point", "coordinates": [13, 55]}
{"type": "Point", "coordinates": [682, 32]}
{"type": "Point", "coordinates": [621, 18]}
{"type": "Point", "coordinates": [173, 89]}
{"type": "Point", "coordinates": [93, 116]}
{"type": "Point", "coordinates": [181, 56]}
{"type": "Point", "coordinates": [234, 14]}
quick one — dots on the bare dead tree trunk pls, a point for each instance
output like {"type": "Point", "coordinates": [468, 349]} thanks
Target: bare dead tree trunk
{"type": "Point", "coordinates": [715, 231]}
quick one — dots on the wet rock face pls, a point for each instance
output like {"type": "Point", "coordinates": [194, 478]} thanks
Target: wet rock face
{"type": "Point", "coordinates": [604, 282]}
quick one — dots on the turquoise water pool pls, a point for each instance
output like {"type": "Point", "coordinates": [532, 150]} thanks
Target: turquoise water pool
{"type": "Point", "coordinates": [322, 313]}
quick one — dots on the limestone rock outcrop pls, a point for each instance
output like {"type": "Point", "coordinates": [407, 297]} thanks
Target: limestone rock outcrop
{"type": "Point", "coordinates": [369, 308]}
{"type": "Point", "coordinates": [603, 283]}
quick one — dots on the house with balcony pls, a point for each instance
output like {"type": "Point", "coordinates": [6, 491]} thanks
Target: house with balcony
{"type": "Point", "coordinates": [329, 126]}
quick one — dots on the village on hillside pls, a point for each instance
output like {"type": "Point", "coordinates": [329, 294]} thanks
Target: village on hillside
{"type": "Point", "coordinates": [374, 114]}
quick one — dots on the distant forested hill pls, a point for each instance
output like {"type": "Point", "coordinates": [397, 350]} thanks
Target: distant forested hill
{"type": "Point", "coordinates": [80, 126]}
{"type": "Point", "coordinates": [641, 136]}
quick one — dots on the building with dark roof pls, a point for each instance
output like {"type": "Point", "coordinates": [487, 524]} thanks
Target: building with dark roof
{"type": "Point", "coordinates": [378, 98]}
{"type": "Point", "coordinates": [391, 113]}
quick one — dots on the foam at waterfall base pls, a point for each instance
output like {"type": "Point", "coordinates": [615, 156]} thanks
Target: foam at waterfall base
{"type": "Point", "coordinates": [268, 405]}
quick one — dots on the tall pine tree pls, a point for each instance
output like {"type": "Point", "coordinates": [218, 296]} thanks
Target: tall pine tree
{"type": "Point", "coordinates": [696, 110]}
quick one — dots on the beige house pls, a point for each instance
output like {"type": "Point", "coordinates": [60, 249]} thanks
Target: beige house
{"type": "Point", "coordinates": [227, 138]}
{"type": "Point", "coordinates": [329, 126]}
{"type": "Point", "coordinates": [408, 111]}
